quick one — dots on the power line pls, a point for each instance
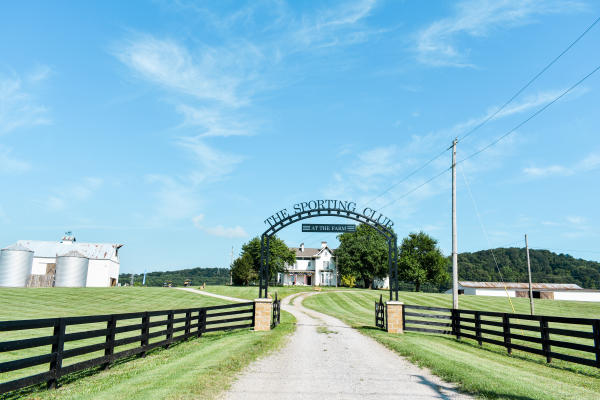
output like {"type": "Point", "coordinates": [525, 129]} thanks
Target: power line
{"type": "Point", "coordinates": [532, 116]}
{"type": "Point", "coordinates": [407, 176]}
{"type": "Point", "coordinates": [415, 188]}
{"type": "Point", "coordinates": [490, 117]}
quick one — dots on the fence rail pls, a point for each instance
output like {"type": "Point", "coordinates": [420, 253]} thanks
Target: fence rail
{"type": "Point", "coordinates": [178, 325]}
{"type": "Point", "coordinates": [578, 339]}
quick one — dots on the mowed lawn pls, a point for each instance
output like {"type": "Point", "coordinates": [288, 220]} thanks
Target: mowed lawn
{"type": "Point", "coordinates": [486, 371]}
{"type": "Point", "coordinates": [251, 292]}
{"type": "Point", "coordinates": [197, 368]}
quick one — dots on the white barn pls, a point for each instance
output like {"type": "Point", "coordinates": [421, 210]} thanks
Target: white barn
{"type": "Point", "coordinates": [313, 267]}
{"type": "Point", "coordinates": [104, 265]}
{"type": "Point", "coordinates": [552, 291]}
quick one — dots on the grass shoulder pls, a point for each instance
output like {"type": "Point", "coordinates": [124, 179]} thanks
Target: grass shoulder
{"type": "Point", "coordinates": [485, 371]}
{"type": "Point", "coordinates": [198, 368]}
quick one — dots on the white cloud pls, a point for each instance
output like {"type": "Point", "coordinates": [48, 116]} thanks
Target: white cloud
{"type": "Point", "coordinates": [437, 44]}
{"type": "Point", "coordinates": [18, 107]}
{"type": "Point", "coordinates": [589, 163]}
{"type": "Point", "coordinates": [174, 199]}
{"type": "Point", "coordinates": [215, 74]}
{"type": "Point", "coordinates": [9, 164]}
{"type": "Point", "coordinates": [68, 195]}
{"type": "Point", "coordinates": [213, 122]}
{"type": "Point", "coordinates": [219, 230]}
{"type": "Point", "coordinates": [211, 164]}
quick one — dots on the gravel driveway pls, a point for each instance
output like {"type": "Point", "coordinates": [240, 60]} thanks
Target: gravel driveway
{"type": "Point", "coordinates": [326, 359]}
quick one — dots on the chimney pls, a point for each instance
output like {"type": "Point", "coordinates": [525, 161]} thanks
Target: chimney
{"type": "Point", "coordinates": [301, 247]}
{"type": "Point", "coordinates": [323, 245]}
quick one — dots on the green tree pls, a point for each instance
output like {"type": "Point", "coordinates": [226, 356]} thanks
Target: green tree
{"type": "Point", "coordinates": [280, 255]}
{"type": "Point", "coordinates": [363, 254]}
{"type": "Point", "coordinates": [242, 270]}
{"type": "Point", "coordinates": [421, 261]}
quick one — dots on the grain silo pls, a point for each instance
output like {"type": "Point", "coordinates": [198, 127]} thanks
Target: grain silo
{"type": "Point", "coordinates": [15, 266]}
{"type": "Point", "coordinates": [71, 270]}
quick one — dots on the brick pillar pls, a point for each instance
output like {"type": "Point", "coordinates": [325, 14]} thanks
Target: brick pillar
{"type": "Point", "coordinates": [263, 308]}
{"type": "Point", "coordinates": [394, 317]}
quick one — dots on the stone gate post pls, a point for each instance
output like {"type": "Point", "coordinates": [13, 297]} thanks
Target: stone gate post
{"type": "Point", "coordinates": [263, 308]}
{"type": "Point", "coordinates": [394, 317]}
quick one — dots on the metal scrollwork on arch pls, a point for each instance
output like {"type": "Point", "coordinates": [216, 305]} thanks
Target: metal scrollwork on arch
{"type": "Point", "coordinates": [334, 208]}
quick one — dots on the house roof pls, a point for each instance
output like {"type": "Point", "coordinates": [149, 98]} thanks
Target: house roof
{"type": "Point", "coordinates": [93, 251]}
{"type": "Point", "coordinates": [310, 252]}
{"type": "Point", "coordinates": [517, 285]}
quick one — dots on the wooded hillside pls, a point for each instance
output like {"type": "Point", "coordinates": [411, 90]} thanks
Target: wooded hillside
{"type": "Point", "coordinates": [546, 266]}
{"type": "Point", "coordinates": [210, 276]}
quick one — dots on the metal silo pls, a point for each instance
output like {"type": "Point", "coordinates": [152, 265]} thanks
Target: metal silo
{"type": "Point", "coordinates": [71, 270]}
{"type": "Point", "coordinates": [15, 266]}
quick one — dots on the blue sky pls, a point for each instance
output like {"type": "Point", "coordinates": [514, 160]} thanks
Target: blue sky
{"type": "Point", "coordinates": [177, 127]}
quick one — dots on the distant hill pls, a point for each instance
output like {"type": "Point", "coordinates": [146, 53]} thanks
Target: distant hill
{"type": "Point", "coordinates": [210, 276]}
{"type": "Point", "coordinates": [546, 266]}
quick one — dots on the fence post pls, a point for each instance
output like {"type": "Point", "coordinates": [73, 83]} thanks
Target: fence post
{"type": "Point", "coordinates": [506, 332]}
{"type": "Point", "coordinates": [545, 339]}
{"type": "Point", "coordinates": [57, 351]}
{"type": "Point", "coordinates": [478, 327]}
{"type": "Point", "coordinates": [201, 321]}
{"type": "Point", "coordinates": [188, 322]}
{"type": "Point", "coordinates": [109, 350]}
{"type": "Point", "coordinates": [145, 332]}
{"type": "Point", "coordinates": [169, 329]}
{"type": "Point", "coordinates": [456, 322]}
{"type": "Point", "coordinates": [403, 319]}
{"type": "Point", "coordinates": [596, 326]}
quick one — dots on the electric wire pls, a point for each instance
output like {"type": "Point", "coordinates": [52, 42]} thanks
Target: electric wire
{"type": "Point", "coordinates": [532, 116]}
{"type": "Point", "coordinates": [491, 116]}
{"type": "Point", "coordinates": [497, 140]}
{"type": "Point", "coordinates": [486, 236]}
{"type": "Point", "coordinates": [522, 89]}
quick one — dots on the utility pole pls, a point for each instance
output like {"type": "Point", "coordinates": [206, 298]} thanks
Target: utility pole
{"type": "Point", "coordinates": [454, 234]}
{"type": "Point", "coordinates": [231, 265]}
{"type": "Point", "coordinates": [529, 274]}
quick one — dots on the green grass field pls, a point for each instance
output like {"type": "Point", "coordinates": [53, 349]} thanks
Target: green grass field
{"type": "Point", "coordinates": [192, 369]}
{"type": "Point", "coordinates": [251, 292]}
{"type": "Point", "coordinates": [486, 371]}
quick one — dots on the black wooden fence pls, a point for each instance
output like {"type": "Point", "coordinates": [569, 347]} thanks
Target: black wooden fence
{"type": "Point", "coordinates": [537, 334]}
{"type": "Point", "coordinates": [143, 329]}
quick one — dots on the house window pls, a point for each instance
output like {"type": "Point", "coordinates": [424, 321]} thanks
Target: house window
{"type": "Point", "coordinates": [326, 264]}
{"type": "Point", "coordinates": [308, 264]}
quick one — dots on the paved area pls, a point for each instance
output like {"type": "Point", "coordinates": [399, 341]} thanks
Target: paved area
{"type": "Point", "coordinates": [218, 296]}
{"type": "Point", "coordinates": [326, 359]}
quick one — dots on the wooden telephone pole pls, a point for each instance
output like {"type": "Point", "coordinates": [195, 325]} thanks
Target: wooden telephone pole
{"type": "Point", "coordinates": [454, 234]}
{"type": "Point", "coordinates": [529, 274]}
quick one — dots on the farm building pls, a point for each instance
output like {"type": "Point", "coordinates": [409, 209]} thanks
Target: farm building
{"type": "Point", "coordinates": [313, 267]}
{"type": "Point", "coordinates": [66, 263]}
{"type": "Point", "coordinates": [552, 291]}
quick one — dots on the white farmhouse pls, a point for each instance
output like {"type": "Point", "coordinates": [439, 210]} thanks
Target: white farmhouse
{"type": "Point", "coordinates": [103, 267]}
{"type": "Point", "coordinates": [313, 267]}
{"type": "Point", "coordinates": [551, 291]}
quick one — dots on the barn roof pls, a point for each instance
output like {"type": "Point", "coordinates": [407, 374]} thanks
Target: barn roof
{"type": "Point", "coordinates": [93, 251]}
{"type": "Point", "coordinates": [517, 285]}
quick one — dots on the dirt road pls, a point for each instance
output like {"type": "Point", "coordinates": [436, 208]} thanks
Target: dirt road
{"type": "Point", "coordinates": [326, 359]}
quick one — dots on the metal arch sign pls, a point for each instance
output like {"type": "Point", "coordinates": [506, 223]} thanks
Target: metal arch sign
{"type": "Point", "coordinates": [329, 205]}
{"type": "Point", "coordinates": [329, 228]}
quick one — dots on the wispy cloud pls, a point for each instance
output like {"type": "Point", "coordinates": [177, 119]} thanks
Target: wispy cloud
{"type": "Point", "coordinates": [18, 107]}
{"type": "Point", "coordinates": [219, 74]}
{"type": "Point", "coordinates": [210, 164]}
{"type": "Point", "coordinates": [213, 122]}
{"type": "Point", "coordinates": [175, 199]}
{"type": "Point", "coordinates": [10, 164]}
{"type": "Point", "coordinates": [69, 195]}
{"type": "Point", "coordinates": [589, 163]}
{"type": "Point", "coordinates": [219, 230]}
{"type": "Point", "coordinates": [439, 43]}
